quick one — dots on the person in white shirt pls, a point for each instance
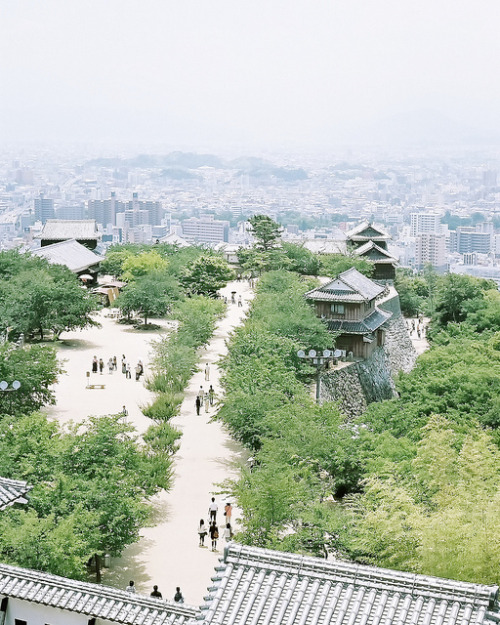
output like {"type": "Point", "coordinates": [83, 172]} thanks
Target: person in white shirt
{"type": "Point", "coordinates": [212, 510]}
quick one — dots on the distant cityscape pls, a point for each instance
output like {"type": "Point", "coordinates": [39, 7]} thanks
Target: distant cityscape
{"type": "Point", "coordinates": [442, 210]}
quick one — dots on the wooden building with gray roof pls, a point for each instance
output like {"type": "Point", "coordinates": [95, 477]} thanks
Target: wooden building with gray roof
{"type": "Point", "coordinates": [84, 231]}
{"type": "Point", "coordinates": [255, 586]}
{"type": "Point", "coordinates": [347, 304]}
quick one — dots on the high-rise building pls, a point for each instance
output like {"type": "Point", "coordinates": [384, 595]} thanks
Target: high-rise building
{"type": "Point", "coordinates": [431, 249]}
{"type": "Point", "coordinates": [105, 211]}
{"type": "Point", "coordinates": [205, 229]}
{"type": "Point", "coordinates": [44, 208]}
{"type": "Point", "coordinates": [470, 240]}
{"type": "Point", "coordinates": [425, 223]}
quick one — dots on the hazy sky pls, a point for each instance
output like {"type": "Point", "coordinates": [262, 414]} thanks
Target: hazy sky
{"type": "Point", "coordinates": [259, 72]}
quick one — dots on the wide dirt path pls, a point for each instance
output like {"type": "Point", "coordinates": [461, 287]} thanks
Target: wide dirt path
{"type": "Point", "coordinates": [168, 553]}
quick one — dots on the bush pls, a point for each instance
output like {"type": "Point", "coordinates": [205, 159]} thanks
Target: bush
{"type": "Point", "coordinates": [162, 438]}
{"type": "Point", "coordinates": [164, 407]}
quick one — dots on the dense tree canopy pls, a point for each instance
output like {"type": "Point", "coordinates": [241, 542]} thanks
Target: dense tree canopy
{"type": "Point", "coordinates": [36, 297]}
{"type": "Point", "coordinates": [90, 483]}
{"type": "Point", "coordinates": [207, 274]}
{"type": "Point", "coordinates": [36, 368]}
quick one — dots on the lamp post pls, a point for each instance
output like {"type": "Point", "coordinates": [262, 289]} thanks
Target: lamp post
{"type": "Point", "coordinates": [320, 359]}
{"type": "Point", "coordinates": [4, 388]}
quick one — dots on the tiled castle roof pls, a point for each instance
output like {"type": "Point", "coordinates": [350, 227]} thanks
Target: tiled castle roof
{"type": "Point", "coordinates": [262, 587]}
{"type": "Point", "coordinates": [93, 600]}
{"type": "Point", "coordinates": [350, 286]}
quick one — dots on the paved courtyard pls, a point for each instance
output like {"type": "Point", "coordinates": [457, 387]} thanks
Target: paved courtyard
{"type": "Point", "coordinates": [168, 553]}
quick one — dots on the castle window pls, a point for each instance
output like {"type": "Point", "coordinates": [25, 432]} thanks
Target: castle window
{"type": "Point", "coordinates": [338, 309]}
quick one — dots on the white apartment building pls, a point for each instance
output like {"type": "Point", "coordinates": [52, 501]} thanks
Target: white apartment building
{"type": "Point", "coordinates": [425, 223]}
{"type": "Point", "coordinates": [431, 249]}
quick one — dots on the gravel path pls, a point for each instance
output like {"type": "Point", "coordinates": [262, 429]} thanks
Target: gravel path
{"type": "Point", "coordinates": [168, 553]}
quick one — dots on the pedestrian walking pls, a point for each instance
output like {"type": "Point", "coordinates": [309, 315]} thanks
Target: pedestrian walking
{"type": "Point", "coordinates": [198, 404]}
{"type": "Point", "coordinates": [212, 510]}
{"type": "Point", "coordinates": [128, 373]}
{"type": "Point", "coordinates": [156, 593]}
{"type": "Point", "coordinates": [95, 364]}
{"type": "Point", "coordinates": [211, 395]}
{"type": "Point", "coordinates": [138, 372]}
{"type": "Point", "coordinates": [124, 413]}
{"type": "Point", "coordinates": [201, 393]}
{"type": "Point", "coordinates": [214, 535]}
{"type": "Point", "coordinates": [240, 301]}
{"type": "Point", "coordinates": [228, 512]}
{"type": "Point", "coordinates": [124, 364]}
{"type": "Point", "coordinates": [101, 365]}
{"type": "Point", "coordinates": [202, 532]}
{"type": "Point", "coordinates": [178, 598]}
{"type": "Point", "coordinates": [110, 365]}
{"type": "Point", "coordinates": [207, 372]}
{"type": "Point", "coordinates": [228, 533]}
{"type": "Point", "coordinates": [115, 363]}
{"type": "Point", "coordinates": [206, 401]}
{"type": "Point", "coordinates": [131, 587]}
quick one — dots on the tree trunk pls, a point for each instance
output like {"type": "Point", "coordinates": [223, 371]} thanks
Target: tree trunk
{"type": "Point", "coordinates": [41, 333]}
{"type": "Point", "coordinates": [97, 568]}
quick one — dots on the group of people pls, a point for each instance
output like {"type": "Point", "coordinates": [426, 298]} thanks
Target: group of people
{"type": "Point", "coordinates": [204, 398]}
{"type": "Point", "coordinates": [98, 367]}
{"type": "Point", "coordinates": [212, 529]}
{"type": "Point", "coordinates": [418, 327]}
{"type": "Point", "coordinates": [178, 598]}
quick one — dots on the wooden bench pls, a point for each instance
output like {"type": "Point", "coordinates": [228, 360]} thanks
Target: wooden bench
{"type": "Point", "coordinates": [96, 386]}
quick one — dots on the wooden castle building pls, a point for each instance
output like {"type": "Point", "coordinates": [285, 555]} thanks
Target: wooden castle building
{"type": "Point", "coordinates": [370, 242]}
{"type": "Point", "coordinates": [348, 306]}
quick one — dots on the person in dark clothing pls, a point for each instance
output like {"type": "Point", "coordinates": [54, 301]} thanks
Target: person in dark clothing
{"type": "Point", "coordinates": [198, 404]}
{"type": "Point", "coordinates": [214, 535]}
{"type": "Point", "coordinates": [178, 595]}
{"type": "Point", "coordinates": [156, 593]}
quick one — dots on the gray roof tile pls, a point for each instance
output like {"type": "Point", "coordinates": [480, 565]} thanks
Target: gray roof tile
{"type": "Point", "coordinates": [350, 286]}
{"type": "Point", "coordinates": [117, 606]}
{"type": "Point", "coordinates": [57, 229]}
{"type": "Point", "coordinates": [70, 253]}
{"type": "Point", "coordinates": [12, 491]}
{"type": "Point", "coordinates": [262, 587]}
{"type": "Point", "coordinates": [371, 323]}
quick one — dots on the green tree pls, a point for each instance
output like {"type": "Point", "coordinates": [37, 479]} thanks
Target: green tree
{"type": "Point", "coordinates": [334, 264]}
{"type": "Point", "coordinates": [149, 295]}
{"type": "Point", "coordinates": [143, 264]}
{"type": "Point", "coordinates": [43, 297]}
{"type": "Point", "coordinates": [265, 231]}
{"type": "Point", "coordinates": [36, 368]}
{"type": "Point", "coordinates": [301, 259]}
{"type": "Point", "coordinates": [441, 520]}
{"type": "Point", "coordinates": [454, 296]}
{"type": "Point", "coordinates": [207, 275]}
{"type": "Point", "coordinates": [92, 481]}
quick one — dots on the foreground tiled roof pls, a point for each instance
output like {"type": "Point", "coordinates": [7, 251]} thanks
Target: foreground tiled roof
{"type": "Point", "coordinates": [93, 600]}
{"type": "Point", "coordinates": [262, 587]}
{"type": "Point", "coordinates": [350, 286]}
{"type": "Point", "coordinates": [70, 253]}
{"type": "Point", "coordinates": [12, 491]}
{"type": "Point", "coordinates": [365, 326]}
{"type": "Point", "coordinates": [57, 229]}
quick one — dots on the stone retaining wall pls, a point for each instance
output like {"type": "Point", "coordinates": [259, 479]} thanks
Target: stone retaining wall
{"type": "Point", "coordinates": [360, 383]}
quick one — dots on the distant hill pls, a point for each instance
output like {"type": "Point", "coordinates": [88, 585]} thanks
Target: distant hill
{"type": "Point", "coordinates": [180, 165]}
